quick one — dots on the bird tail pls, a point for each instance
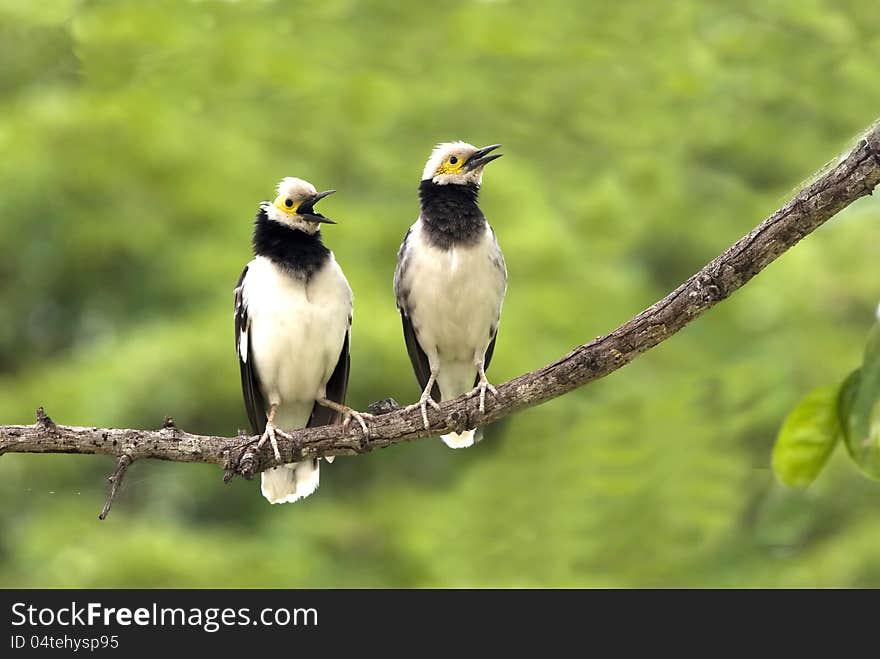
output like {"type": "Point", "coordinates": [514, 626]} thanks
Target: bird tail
{"type": "Point", "coordinates": [290, 482]}
{"type": "Point", "coordinates": [454, 380]}
{"type": "Point", "coordinates": [462, 439]}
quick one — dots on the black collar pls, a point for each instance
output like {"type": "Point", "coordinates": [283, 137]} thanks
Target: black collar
{"type": "Point", "coordinates": [450, 213]}
{"type": "Point", "coordinates": [298, 252]}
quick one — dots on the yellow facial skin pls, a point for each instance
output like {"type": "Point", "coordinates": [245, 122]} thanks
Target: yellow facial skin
{"type": "Point", "coordinates": [290, 210]}
{"type": "Point", "coordinates": [450, 167]}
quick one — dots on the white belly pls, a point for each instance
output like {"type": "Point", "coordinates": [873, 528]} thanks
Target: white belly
{"type": "Point", "coordinates": [296, 332]}
{"type": "Point", "coordinates": [455, 298]}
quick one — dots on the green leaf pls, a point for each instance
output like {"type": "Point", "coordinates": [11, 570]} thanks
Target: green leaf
{"type": "Point", "coordinates": [860, 409]}
{"type": "Point", "coordinates": [846, 398]}
{"type": "Point", "coordinates": [807, 438]}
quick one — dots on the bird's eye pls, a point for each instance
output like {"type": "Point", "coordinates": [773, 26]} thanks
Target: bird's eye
{"type": "Point", "coordinates": [288, 202]}
{"type": "Point", "coordinates": [453, 160]}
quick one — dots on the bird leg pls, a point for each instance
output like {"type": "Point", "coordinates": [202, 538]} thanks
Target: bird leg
{"type": "Point", "coordinates": [271, 431]}
{"type": "Point", "coordinates": [482, 386]}
{"type": "Point", "coordinates": [347, 414]}
{"type": "Point", "coordinates": [425, 400]}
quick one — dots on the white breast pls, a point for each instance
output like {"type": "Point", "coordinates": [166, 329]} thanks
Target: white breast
{"type": "Point", "coordinates": [455, 295]}
{"type": "Point", "coordinates": [297, 332]}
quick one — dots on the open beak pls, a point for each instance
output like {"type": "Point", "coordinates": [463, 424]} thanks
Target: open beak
{"type": "Point", "coordinates": [480, 158]}
{"type": "Point", "coordinates": [306, 209]}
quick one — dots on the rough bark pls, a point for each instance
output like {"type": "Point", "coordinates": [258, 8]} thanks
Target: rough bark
{"type": "Point", "coordinates": [853, 176]}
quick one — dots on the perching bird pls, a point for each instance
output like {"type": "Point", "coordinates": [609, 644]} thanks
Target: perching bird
{"type": "Point", "coordinates": [450, 282]}
{"type": "Point", "coordinates": [292, 323]}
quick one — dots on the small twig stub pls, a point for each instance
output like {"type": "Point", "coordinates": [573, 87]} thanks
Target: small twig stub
{"type": "Point", "coordinates": [44, 419]}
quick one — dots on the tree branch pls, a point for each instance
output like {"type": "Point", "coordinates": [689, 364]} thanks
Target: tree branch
{"type": "Point", "coordinates": [854, 176]}
{"type": "Point", "coordinates": [115, 481]}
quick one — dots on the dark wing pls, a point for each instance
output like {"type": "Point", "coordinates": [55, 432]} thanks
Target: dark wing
{"type": "Point", "coordinates": [254, 402]}
{"type": "Point", "coordinates": [487, 359]}
{"type": "Point", "coordinates": [501, 267]}
{"type": "Point", "coordinates": [417, 356]}
{"type": "Point", "coordinates": [337, 386]}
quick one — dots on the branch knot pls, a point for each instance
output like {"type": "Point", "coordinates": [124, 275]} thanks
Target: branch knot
{"type": "Point", "coordinates": [871, 151]}
{"type": "Point", "coordinates": [45, 421]}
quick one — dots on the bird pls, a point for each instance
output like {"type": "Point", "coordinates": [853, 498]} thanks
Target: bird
{"type": "Point", "coordinates": [450, 283]}
{"type": "Point", "coordinates": [293, 311]}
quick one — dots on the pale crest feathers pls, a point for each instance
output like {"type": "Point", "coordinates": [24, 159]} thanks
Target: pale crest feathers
{"type": "Point", "coordinates": [440, 153]}
{"type": "Point", "coordinates": [295, 188]}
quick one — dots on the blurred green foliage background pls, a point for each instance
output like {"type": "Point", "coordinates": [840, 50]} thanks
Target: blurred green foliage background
{"type": "Point", "coordinates": [641, 139]}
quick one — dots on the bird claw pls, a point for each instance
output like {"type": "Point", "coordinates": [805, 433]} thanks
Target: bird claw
{"type": "Point", "coordinates": [360, 418]}
{"type": "Point", "coordinates": [347, 415]}
{"type": "Point", "coordinates": [482, 387]}
{"type": "Point", "coordinates": [365, 429]}
{"type": "Point", "coordinates": [270, 436]}
{"type": "Point", "coordinates": [422, 405]}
